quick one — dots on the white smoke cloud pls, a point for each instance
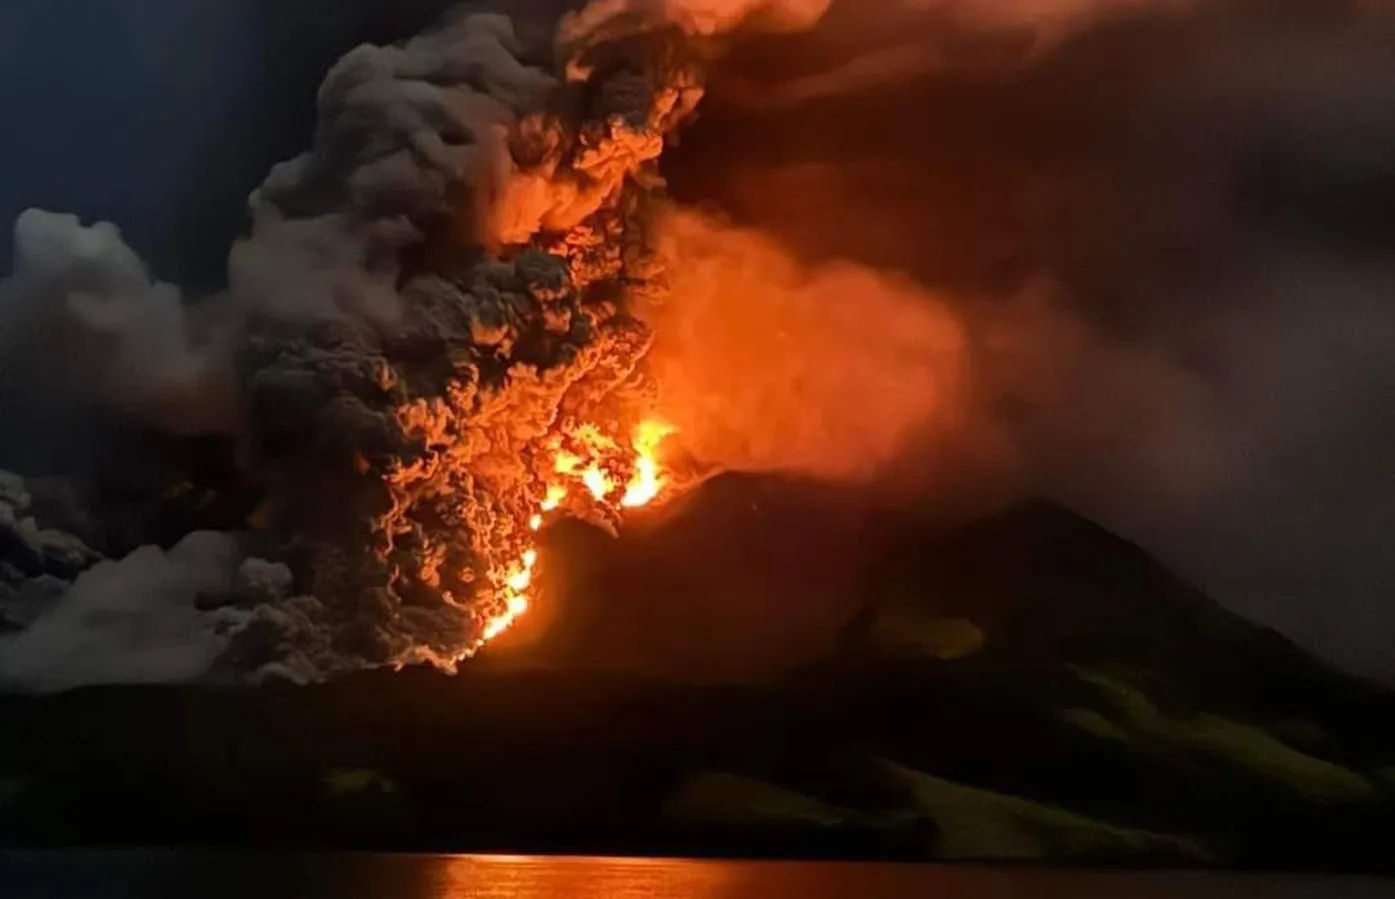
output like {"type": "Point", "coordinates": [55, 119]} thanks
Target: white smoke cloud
{"type": "Point", "coordinates": [129, 621]}
{"type": "Point", "coordinates": [82, 314]}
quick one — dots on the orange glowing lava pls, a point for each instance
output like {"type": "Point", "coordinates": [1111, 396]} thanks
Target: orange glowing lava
{"type": "Point", "coordinates": [647, 481]}
{"type": "Point", "coordinates": [583, 456]}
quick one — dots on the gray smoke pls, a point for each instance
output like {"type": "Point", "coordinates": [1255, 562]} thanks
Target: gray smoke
{"type": "Point", "coordinates": [81, 295]}
{"type": "Point", "coordinates": [1164, 230]}
{"type": "Point", "coordinates": [130, 620]}
{"type": "Point", "coordinates": [430, 293]}
{"type": "Point", "coordinates": [1153, 236]}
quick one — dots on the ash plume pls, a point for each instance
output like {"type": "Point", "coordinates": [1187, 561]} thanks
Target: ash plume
{"type": "Point", "coordinates": [429, 299]}
{"type": "Point", "coordinates": [399, 431]}
{"type": "Point", "coordinates": [1160, 226]}
{"type": "Point", "coordinates": [1126, 254]}
{"type": "Point", "coordinates": [767, 364]}
{"type": "Point", "coordinates": [134, 619]}
{"type": "Point", "coordinates": [82, 295]}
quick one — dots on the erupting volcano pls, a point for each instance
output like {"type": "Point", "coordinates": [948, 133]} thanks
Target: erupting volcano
{"type": "Point", "coordinates": [507, 382]}
{"type": "Point", "coordinates": [434, 340]}
{"type": "Point", "coordinates": [446, 328]}
{"type": "Point", "coordinates": [924, 430]}
{"type": "Point", "coordinates": [588, 470]}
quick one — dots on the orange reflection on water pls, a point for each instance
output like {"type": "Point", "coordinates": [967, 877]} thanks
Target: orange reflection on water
{"type": "Point", "coordinates": [532, 877]}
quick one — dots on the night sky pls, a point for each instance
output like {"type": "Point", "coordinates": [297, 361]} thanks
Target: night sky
{"type": "Point", "coordinates": [161, 116]}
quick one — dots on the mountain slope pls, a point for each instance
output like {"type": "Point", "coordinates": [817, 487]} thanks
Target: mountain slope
{"type": "Point", "coordinates": [1026, 686]}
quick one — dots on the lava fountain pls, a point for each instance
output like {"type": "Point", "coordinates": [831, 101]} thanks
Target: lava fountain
{"type": "Point", "coordinates": [587, 468]}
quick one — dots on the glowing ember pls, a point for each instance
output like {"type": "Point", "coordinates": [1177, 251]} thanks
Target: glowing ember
{"type": "Point", "coordinates": [520, 580]}
{"type": "Point", "coordinates": [555, 494]}
{"type": "Point", "coordinates": [647, 481]}
{"type": "Point", "coordinates": [514, 597]}
{"type": "Point", "coordinates": [567, 463]}
{"type": "Point", "coordinates": [586, 456]}
{"type": "Point", "coordinates": [597, 481]}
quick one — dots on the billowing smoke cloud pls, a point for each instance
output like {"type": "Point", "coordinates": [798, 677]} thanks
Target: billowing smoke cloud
{"type": "Point", "coordinates": [436, 288]}
{"type": "Point", "coordinates": [696, 17]}
{"type": "Point", "coordinates": [432, 301]}
{"type": "Point", "coordinates": [81, 295]}
{"type": "Point", "coordinates": [765, 364]}
{"type": "Point", "coordinates": [1130, 254]}
{"type": "Point", "coordinates": [1163, 233]}
{"type": "Point", "coordinates": [135, 619]}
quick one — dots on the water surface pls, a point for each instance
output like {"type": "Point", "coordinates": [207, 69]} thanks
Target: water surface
{"type": "Point", "coordinates": [199, 875]}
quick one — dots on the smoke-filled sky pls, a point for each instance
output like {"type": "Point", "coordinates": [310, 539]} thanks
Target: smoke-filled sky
{"type": "Point", "coordinates": [1169, 229]}
{"type": "Point", "coordinates": [1162, 229]}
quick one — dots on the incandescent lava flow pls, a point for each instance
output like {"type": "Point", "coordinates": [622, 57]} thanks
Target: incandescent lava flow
{"type": "Point", "coordinates": [588, 477]}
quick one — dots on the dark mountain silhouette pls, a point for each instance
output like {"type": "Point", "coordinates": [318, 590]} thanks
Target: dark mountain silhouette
{"type": "Point", "coordinates": [773, 668]}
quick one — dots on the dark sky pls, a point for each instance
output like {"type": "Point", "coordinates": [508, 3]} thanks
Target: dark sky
{"type": "Point", "coordinates": [161, 115]}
